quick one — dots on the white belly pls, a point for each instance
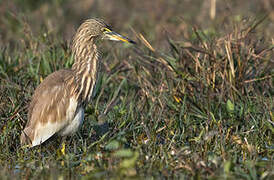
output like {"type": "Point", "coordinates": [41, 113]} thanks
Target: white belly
{"type": "Point", "coordinates": [75, 124]}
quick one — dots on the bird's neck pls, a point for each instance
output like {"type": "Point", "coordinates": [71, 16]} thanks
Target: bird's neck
{"type": "Point", "coordinates": [85, 68]}
{"type": "Point", "coordinates": [85, 58]}
{"type": "Point", "coordinates": [84, 51]}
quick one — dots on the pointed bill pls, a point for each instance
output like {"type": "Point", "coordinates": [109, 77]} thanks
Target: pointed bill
{"type": "Point", "coordinates": [111, 35]}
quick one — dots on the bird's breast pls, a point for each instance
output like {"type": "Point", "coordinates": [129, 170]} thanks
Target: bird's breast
{"type": "Point", "coordinates": [88, 81]}
{"type": "Point", "coordinates": [75, 117]}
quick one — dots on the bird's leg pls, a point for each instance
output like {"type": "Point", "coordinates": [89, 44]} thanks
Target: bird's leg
{"type": "Point", "coordinates": [63, 145]}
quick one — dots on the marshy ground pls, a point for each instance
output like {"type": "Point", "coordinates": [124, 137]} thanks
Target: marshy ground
{"type": "Point", "coordinates": [193, 100]}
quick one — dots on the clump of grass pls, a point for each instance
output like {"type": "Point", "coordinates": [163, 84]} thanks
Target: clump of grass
{"type": "Point", "coordinates": [203, 109]}
{"type": "Point", "coordinates": [207, 95]}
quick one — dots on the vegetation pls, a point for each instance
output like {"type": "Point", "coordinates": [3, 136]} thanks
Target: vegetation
{"type": "Point", "coordinates": [193, 100]}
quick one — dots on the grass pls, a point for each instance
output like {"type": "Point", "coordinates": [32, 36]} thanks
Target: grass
{"type": "Point", "coordinates": [195, 105]}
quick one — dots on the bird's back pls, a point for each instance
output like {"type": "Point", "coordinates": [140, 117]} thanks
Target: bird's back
{"type": "Point", "coordinates": [48, 110]}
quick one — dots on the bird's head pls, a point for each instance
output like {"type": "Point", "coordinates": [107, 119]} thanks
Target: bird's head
{"type": "Point", "coordinates": [97, 28]}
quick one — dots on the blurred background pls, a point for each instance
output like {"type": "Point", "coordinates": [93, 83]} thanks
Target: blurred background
{"type": "Point", "coordinates": [153, 18]}
{"type": "Point", "coordinates": [194, 97]}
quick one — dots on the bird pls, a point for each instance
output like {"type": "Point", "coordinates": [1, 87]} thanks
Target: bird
{"type": "Point", "coordinates": [59, 101]}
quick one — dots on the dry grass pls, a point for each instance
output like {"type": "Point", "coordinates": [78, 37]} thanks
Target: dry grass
{"type": "Point", "coordinates": [194, 98]}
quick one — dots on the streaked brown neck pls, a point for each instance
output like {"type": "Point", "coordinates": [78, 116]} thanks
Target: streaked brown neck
{"type": "Point", "coordinates": [85, 66]}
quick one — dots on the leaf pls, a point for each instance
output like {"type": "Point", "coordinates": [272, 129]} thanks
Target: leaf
{"type": "Point", "coordinates": [112, 145]}
{"type": "Point", "coordinates": [229, 106]}
{"type": "Point", "coordinates": [227, 167]}
{"type": "Point", "coordinates": [128, 163]}
{"type": "Point", "coordinates": [123, 153]}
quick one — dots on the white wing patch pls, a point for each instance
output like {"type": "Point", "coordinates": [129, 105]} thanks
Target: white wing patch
{"type": "Point", "coordinates": [66, 126]}
{"type": "Point", "coordinates": [45, 131]}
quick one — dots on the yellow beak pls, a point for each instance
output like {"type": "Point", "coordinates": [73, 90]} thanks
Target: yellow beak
{"type": "Point", "coordinates": [111, 35]}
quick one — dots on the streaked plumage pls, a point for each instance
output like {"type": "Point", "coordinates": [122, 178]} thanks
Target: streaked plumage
{"type": "Point", "coordinates": [58, 103]}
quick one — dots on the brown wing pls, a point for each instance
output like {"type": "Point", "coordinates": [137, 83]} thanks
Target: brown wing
{"type": "Point", "coordinates": [48, 108]}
